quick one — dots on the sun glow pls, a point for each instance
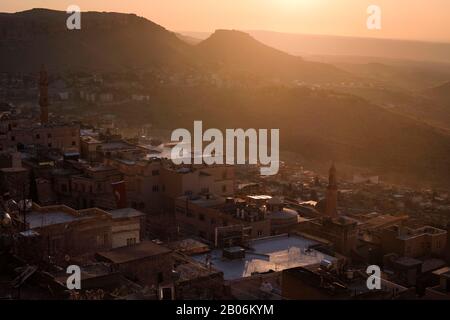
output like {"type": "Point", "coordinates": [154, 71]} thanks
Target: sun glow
{"type": "Point", "coordinates": [294, 3]}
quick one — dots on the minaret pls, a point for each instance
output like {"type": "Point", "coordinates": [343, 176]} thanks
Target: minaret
{"type": "Point", "coordinates": [332, 189]}
{"type": "Point", "coordinates": [43, 94]}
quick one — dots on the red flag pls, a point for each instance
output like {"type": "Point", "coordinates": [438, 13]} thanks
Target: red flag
{"type": "Point", "coordinates": [120, 194]}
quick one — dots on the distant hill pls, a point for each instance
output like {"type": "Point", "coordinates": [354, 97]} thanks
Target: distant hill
{"type": "Point", "coordinates": [117, 42]}
{"type": "Point", "coordinates": [441, 94]}
{"type": "Point", "coordinates": [106, 41]}
{"type": "Point", "coordinates": [310, 44]}
{"type": "Point", "coordinates": [238, 52]}
{"type": "Point", "coordinates": [188, 39]}
{"type": "Point", "coordinates": [305, 45]}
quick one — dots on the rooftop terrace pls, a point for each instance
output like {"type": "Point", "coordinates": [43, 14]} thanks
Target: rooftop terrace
{"type": "Point", "coordinates": [274, 253]}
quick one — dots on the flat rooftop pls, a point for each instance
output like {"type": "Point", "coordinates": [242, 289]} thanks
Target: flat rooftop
{"type": "Point", "coordinates": [426, 230]}
{"type": "Point", "coordinates": [126, 213]}
{"type": "Point", "coordinates": [133, 253]}
{"type": "Point", "coordinates": [100, 168]}
{"type": "Point", "coordinates": [274, 253]}
{"type": "Point", "coordinates": [37, 219]}
{"type": "Point", "coordinates": [213, 201]}
{"type": "Point", "coordinates": [116, 145]}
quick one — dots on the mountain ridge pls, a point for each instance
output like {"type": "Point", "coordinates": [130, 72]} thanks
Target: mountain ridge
{"type": "Point", "coordinates": [115, 41]}
{"type": "Point", "coordinates": [316, 44]}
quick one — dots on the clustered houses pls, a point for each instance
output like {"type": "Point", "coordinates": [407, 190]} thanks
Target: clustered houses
{"type": "Point", "coordinates": [205, 216]}
{"type": "Point", "coordinates": [18, 131]}
{"type": "Point", "coordinates": [62, 206]}
{"type": "Point", "coordinates": [140, 226]}
{"type": "Point", "coordinates": [82, 185]}
{"type": "Point", "coordinates": [153, 184]}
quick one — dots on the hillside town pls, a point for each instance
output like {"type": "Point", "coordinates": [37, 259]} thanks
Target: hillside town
{"type": "Point", "coordinates": [76, 190]}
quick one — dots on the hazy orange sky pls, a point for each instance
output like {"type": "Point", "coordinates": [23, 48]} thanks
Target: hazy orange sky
{"type": "Point", "coordinates": [401, 19]}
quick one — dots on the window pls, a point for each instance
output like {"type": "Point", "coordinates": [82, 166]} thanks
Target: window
{"type": "Point", "coordinates": [38, 136]}
{"type": "Point", "coordinates": [202, 234]}
{"type": "Point", "coordinates": [131, 241]}
{"type": "Point", "coordinates": [102, 240]}
{"type": "Point", "coordinates": [155, 188]}
{"type": "Point", "coordinates": [160, 277]}
{"type": "Point", "coordinates": [155, 173]}
{"type": "Point", "coordinates": [224, 188]}
{"type": "Point", "coordinates": [54, 245]}
{"type": "Point", "coordinates": [205, 190]}
{"type": "Point", "coordinates": [201, 217]}
{"type": "Point", "coordinates": [49, 145]}
{"type": "Point", "coordinates": [74, 143]}
{"type": "Point", "coordinates": [179, 209]}
{"type": "Point", "coordinates": [260, 233]}
{"type": "Point", "coordinates": [49, 135]}
{"type": "Point", "coordinates": [13, 138]}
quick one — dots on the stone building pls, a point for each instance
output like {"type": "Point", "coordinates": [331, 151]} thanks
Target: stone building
{"type": "Point", "coordinates": [146, 263]}
{"type": "Point", "coordinates": [414, 243]}
{"type": "Point", "coordinates": [58, 233]}
{"type": "Point", "coordinates": [204, 216]}
{"type": "Point", "coordinates": [84, 186]}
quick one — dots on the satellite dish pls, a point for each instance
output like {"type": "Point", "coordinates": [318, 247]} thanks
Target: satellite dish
{"type": "Point", "coordinates": [26, 204]}
{"type": "Point", "coordinates": [5, 219]}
